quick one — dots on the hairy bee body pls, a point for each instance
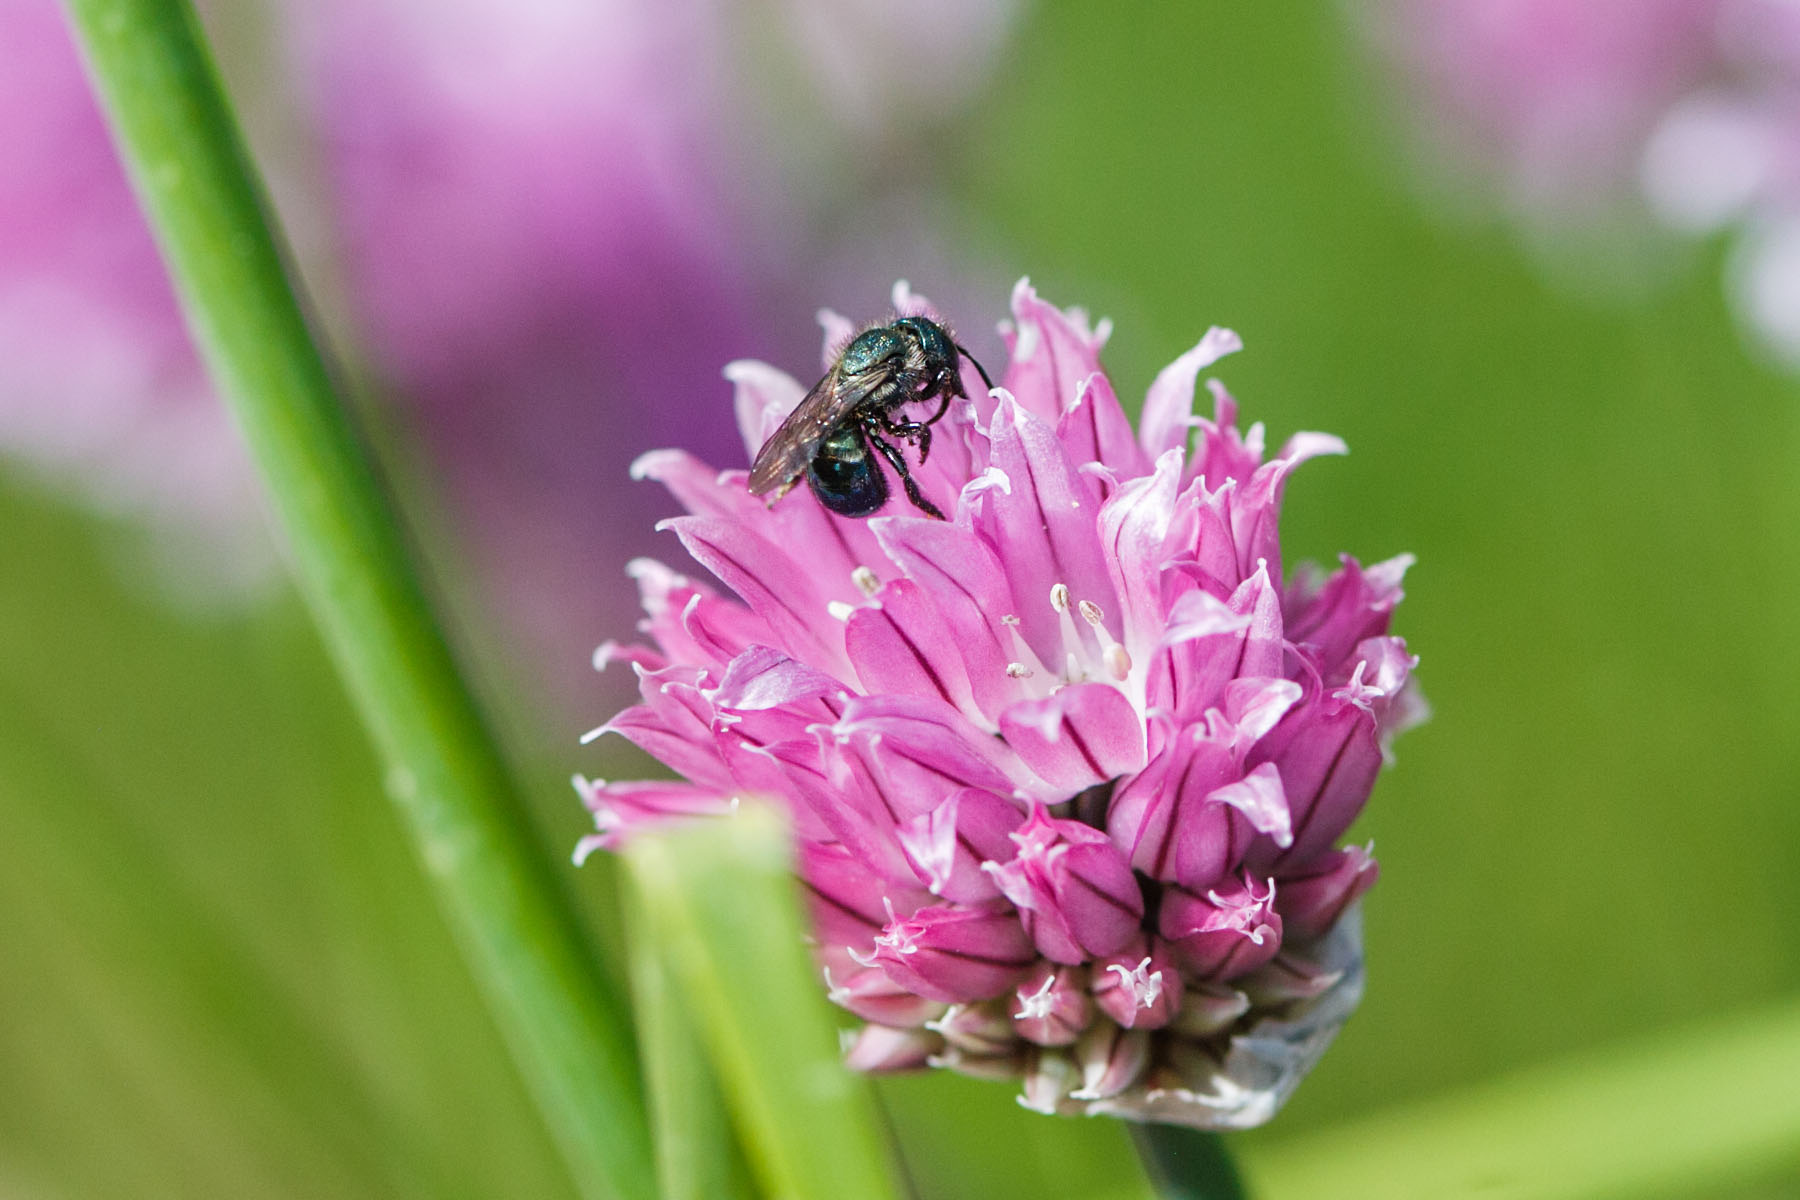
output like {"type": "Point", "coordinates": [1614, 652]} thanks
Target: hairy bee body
{"type": "Point", "coordinates": [833, 436]}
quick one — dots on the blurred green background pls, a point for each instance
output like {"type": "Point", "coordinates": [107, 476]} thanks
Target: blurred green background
{"type": "Point", "coordinates": [220, 973]}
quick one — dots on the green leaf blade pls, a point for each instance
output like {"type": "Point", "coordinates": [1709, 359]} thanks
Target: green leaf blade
{"type": "Point", "coordinates": [719, 897]}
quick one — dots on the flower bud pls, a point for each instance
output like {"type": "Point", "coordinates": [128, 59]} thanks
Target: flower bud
{"type": "Point", "coordinates": [1140, 987]}
{"type": "Point", "coordinates": [1111, 1059]}
{"type": "Point", "coordinates": [982, 1030]}
{"type": "Point", "coordinates": [850, 904]}
{"type": "Point", "coordinates": [1055, 1011]}
{"type": "Point", "coordinates": [1075, 891]}
{"type": "Point", "coordinates": [1286, 978]}
{"type": "Point", "coordinates": [871, 994]}
{"type": "Point", "coordinates": [1208, 1009]}
{"type": "Point", "coordinates": [1227, 932]}
{"type": "Point", "coordinates": [880, 1048]}
{"type": "Point", "coordinates": [954, 953]}
{"type": "Point", "coordinates": [1313, 900]}
{"type": "Point", "coordinates": [1050, 1075]}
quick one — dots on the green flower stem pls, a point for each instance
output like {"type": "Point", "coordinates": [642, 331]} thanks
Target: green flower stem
{"type": "Point", "coordinates": [1187, 1164]}
{"type": "Point", "coordinates": [718, 898]}
{"type": "Point", "coordinates": [181, 146]}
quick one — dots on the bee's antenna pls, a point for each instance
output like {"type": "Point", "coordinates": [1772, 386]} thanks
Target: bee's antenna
{"type": "Point", "coordinates": [976, 363]}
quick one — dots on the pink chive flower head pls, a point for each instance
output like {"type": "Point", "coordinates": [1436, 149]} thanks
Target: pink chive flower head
{"type": "Point", "coordinates": [1069, 770]}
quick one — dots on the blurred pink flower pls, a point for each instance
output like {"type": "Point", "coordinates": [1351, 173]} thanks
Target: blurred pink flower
{"type": "Point", "coordinates": [1068, 769]}
{"type": "Point", "coordinates": [1594, 116]}
{"type": "Point", "coordinates": [544, 220]}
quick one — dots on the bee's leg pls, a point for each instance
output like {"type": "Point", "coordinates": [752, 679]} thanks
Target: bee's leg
{"type": "Point", "coordinates": [897, 460]}
{"type": "Point", "coordinates": [917, 432]}
{"type": "Point", "coordinates": [979, 370]}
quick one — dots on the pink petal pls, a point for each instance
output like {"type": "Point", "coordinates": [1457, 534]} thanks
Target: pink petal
{"type": "Point", "coordinates": [1140, 987]}
{"type": "Point", "coordinates": [621, 809]}
{"type": "Point", "coordinates": [948, 844]}
{"type": "Point", "coordinates": [762, 677]}
{"type": "Point", "coordinates": [670, 601]}
{"type": "Point", "coordinates": [673, 724]}
{"type": "Point", "coordinates": [771, 583]}
{"type": "Point", "coordinates": [1328, 756]}
{"type": "Point", "coordinates": [1053, 1010]}
{"type": "Point", "coordinates": [1134, 530]}
{"type": "Point", "coordinates": [1096, 429]}
{"type": "Point", "coordinates": [1223, 455]}
{"type": "Point", "coordinates": [1078, 736]}
{"type": "Point", "coordinates": [967, 585]}
{"type": "Point", "coordinates": [920, 750]}
{"type": "Point", "coordinates": [762, 397]}
{"type": "Point", "coordinates": [883, 1048]}
{"type": "Point", "coordinates": [900, 643]}
{"type": "Point", "coordinates": [1169, 405]}
{"type": "Point", "coordinates": [849, 904]}
{"type": "Point", "coordinates": [1076, 893]}
{"type": "Point", "coordinates": [1205, 653]}
{"type": "Point", "coordinates": [1042, 526]}
{"type": "Point", "coordinates": [1052, 353]}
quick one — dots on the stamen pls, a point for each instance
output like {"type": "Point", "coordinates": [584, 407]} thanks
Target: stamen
{"type": "Point", "coordinates": [1075, 652]}
{"type": "Point", "coordinates": [1018, 670]}
{"type": "Point", "coordinates": [1027, 657]}
{"type": "Point", "coordinates": [1113, 655]}
{"type": "Point", "coordinates": [1038, 1004]}
{"type": "Point", "coordinates": [839, 610]}
{"type": "Point", "coordinates": [866, 581]}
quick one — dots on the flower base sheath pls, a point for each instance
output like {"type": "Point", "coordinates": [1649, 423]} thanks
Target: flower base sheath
{"type": "Point", "coordinates": [1067, 770]}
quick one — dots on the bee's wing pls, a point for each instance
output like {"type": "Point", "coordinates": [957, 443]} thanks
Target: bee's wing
{"type": "Point", "coordinates": [792, 446]}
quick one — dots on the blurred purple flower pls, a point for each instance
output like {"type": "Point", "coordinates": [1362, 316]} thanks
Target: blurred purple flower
{"type": "Point", "coordinates": [1589, 117]}
{"type": "Point", "coordinates": [1068, 769]}
{"type": "Point", "coordinates": [98, 381]}
{"type": "Point", "coordinates": [540, 213]}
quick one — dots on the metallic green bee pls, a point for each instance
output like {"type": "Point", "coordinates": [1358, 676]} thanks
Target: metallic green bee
{"type": "Point", "coordinates": [834, 434]}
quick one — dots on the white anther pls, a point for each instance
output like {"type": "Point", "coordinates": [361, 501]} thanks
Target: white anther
{"type": "Point", "coordinates": [1037, 1004]}
{"type": "Point", "coordinates": [866, 581]}
{"type": "Point", "coordinates": [1090, 612]}
{"type": "Point", "coordinates": [839, 610]}
{"type": "Point", "coordinates": [1018, 670]}
{"type": "Point", "coordinates": [1144, 984]}
{"type": "Point", "coordinates": [1059, 597]}
{"type": "Point", "coordinates": [1118, 662]}
{"type": "Point", "coordinates": [1011, 620]}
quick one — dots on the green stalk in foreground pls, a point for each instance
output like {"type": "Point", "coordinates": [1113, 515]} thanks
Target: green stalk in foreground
{"type": "Point", "coordinates": [181, 146]}
{"type": "Point", "coordinates": [717, 900]}
{"type": "Point", "coordinates": [1695, 1111]}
